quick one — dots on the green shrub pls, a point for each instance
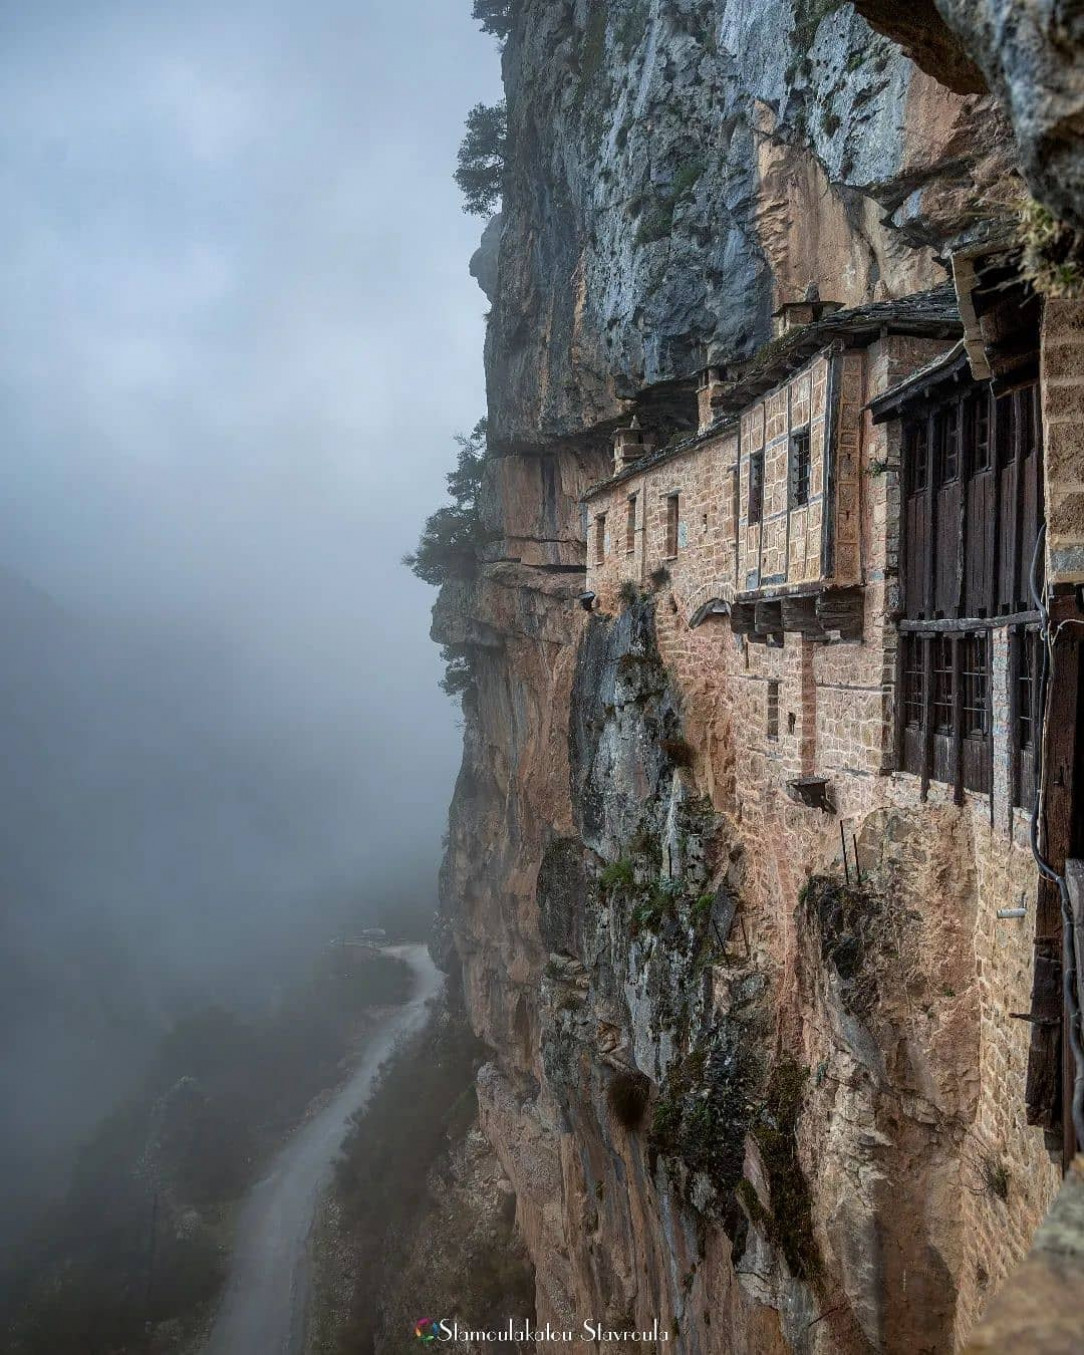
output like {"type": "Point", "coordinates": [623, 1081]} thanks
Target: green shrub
{"type": "Point", "coordinates": [658, 221]}
{"type": "Point", "coordinates": [628, 593]}
{"type": "Point", "coordinates": [1053, 253]}
{"type": "Point", "coordinates": [458, 676]}
{"type": "Point", "coordinates": [995, 1176]}
{"type": "Point", "coordinates": [789, 1225]}
{"type": "Point", "coordinates": [618, 875]}
{"type": "Point", "coordinates": [703, 906]}
{"type": "Point", "coordinates": [656, 224]}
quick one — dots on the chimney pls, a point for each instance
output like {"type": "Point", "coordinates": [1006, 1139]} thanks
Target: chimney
{"type": "Point", "coordinates": [710, 395]}
{"type": "Point", "coordinates": [795, 314]}
{"type": "Point", "coordinates": [631, 444]}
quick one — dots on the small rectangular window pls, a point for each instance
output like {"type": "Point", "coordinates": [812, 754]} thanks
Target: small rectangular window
{"type": "Point", "coordinates": [630, 524]}
{"type": "Point", "coordinates": [948, 444]}
{"type": "Point", "coordinates": [1006, 429]}
{"type": "Point", "coordinates": [973, 667]}
{"type": "Point", "coordinates": [1026, 682]}
{"type": "Point", "coordinates": [916, 456]}
{"type": "Point", "coordinates": [1027, 659]}
{"type": "Point", "coordinates": [944, 684]}
{"type": "Point", "coordinates": [773, 710]}
{"type": "Point", "coordinates": [980, 430]}
{"type": "Point", "coordinates": [799, 468]}
{"type": "Point", "coordinates": [600, 537]}
{"type": "Point", "coordinates": [673, 510]}
{"type": "Point", "coordinates": [914, 682]}
{"type": "Point", "coordinates": [756, 488]}
{"type": "Point", "coordinates": [1027, 419]}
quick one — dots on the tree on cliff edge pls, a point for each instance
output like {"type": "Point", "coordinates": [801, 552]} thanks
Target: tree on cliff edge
{"type": "Point", "coordinates": [448, 548]}
{"type": "Point", "coordinates": [495, 16]}
{"type": "Point", "coordinates": [481, 158]}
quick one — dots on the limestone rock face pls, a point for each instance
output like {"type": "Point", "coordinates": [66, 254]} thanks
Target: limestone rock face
{"type": "Point", "coordinates": [1029, 52]}
{"type": "Point", "coordinates": [927, 40]}
{"type": "Point", "coordinates": [483, 264]}
{"type": "Point", "coordinates": [678, 168]}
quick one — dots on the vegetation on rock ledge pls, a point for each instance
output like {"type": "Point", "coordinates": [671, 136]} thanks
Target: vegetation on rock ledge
{"type": "Point", "coordinates": [482, 154]}
{"type": "Point", "coordinates": [448, 547]}
{"type": "Point", "coordinates": [495, 16]}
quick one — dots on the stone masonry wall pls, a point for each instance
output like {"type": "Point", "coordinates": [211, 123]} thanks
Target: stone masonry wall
{"type": "Point", "coordinates": [1062, 384]}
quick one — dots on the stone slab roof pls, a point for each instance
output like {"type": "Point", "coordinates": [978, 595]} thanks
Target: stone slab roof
{"type": "Point", "coordinates": [931, 314]}
{"type": "Point", "coordinates": [889, 403]}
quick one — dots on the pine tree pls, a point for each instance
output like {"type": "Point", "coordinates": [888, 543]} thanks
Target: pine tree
{"type": "Point", "coordinates": [495, 16]}
{"type": "Point", "coordinates": [482, 157]}
{"type": "Point", "coordinates": [448, 548]}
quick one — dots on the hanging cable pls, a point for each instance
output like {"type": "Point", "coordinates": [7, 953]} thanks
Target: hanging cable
{"type": "Point", "coordinates": [1068, 944]}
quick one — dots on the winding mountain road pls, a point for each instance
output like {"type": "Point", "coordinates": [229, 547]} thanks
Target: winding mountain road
{"type": "Point", "coordinates": [264, 1306]}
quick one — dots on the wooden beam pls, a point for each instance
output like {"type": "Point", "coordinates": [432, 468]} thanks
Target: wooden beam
{"type": "Point", "coordinates": [929, 599]}
{"type": "Point", "coordinates": [1047, 1098]}
{"type": "Point", "coordinates": [842, 610]}
{"type": "Point", "coordinates": [743, 618]}
{"type": "Point", "coordinates": [958, 719]}
{"type": "Point", "coordinates": [969, 623]}
{"type": "Point", "coordinates": [768, 618]}
{"type": "Point", "coordinates": [1074, 878]}
{"type": "Point", "coordinates": [928, 720]}
{"type": "Point", "coordinates": [800, 615]}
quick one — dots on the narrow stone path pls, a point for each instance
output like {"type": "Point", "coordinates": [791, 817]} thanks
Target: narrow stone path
{"type": "Point", "coordinates": [264, 1306]}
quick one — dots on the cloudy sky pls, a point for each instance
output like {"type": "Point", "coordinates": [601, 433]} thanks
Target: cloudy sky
{"type": "Point", "coordinates": [239, 334]}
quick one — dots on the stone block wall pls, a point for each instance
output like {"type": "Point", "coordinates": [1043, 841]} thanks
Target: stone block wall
{"type": "Point", "coordinates": [703, 479]}
{"type": "Point", "coordinates": [786, 545]}
{"type": "Point", "coordinates": [1062, 390]}
{"type": "Point", "coordinates": [718, 549]}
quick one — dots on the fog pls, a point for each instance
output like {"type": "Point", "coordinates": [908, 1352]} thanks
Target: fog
{"type": "Point", "coordinates": [239, 334]}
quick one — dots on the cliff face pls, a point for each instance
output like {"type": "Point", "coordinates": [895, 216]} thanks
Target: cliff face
{"type": "Point", "coordinates": [1028, 53]}
{"type": "Point", "coordinates": [678, 168]}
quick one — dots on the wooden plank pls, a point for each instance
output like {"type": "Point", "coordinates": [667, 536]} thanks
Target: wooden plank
{"type": "Point", "coordinates": [843, 610]}
{"type": "Point", "coordinates": [743, 618]}
{"type": "Point", "coordinates": [928, 722]}
{"type": "Point", "coordinates": [899, 703]}
{"type": "Point", "coordinates": [768, 619]}
{"type": "Point", "coordinates": [929, 606]}
{"type": "Point", "coordinates": [1017, 640]}
{"type": "Point", "coordinates": [800, 615]}
{"type": "Point", "coordinates": [950, 624]}
{"type": "Point", "coordinates": [963, 543]}
{"type": "Point", "coordinates": [1045, 1104]}
{"type": "Point", "coordinates": [949, 563]}
{"type": "Point", "coordinates": [1006, 448]}
{"type": "Point", "coordinates": [1043, 1088]}
{"type": "Point", "coordinates": [995, 485]}
{"type": "Point", "coordinates": [958, 719]}
{"type": "Point", "coordinates": [1030, 502]}
{"type": "Point", "coordinates": [1074, 878]}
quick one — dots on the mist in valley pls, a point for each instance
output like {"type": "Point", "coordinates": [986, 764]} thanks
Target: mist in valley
{"type": "Point", "coordinates": [239, 336]}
